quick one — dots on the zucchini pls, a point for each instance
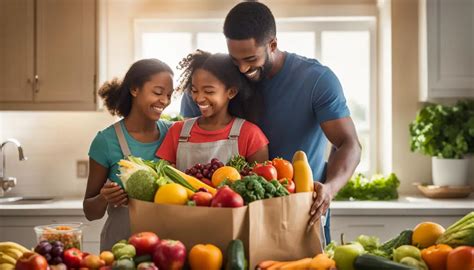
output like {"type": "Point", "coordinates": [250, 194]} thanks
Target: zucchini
{"type": "Point", "coordinates": [372, 262]}
{"type": "Point", "coordinates": [236, 256]}
{"type": "Point", "coordinates": [404, 238]}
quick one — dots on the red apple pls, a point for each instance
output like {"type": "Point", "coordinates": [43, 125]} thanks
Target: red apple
{"type": "Point", "coordinates": [169, 255]}
{"type": "Point", "coordinates": [144, 242]}
{"type": "Point", "coordinates": [31, 261]}
{"type": "Point", "coordinates": [202, 198]}
{"type": "Point", "coordinates": [226, 197]}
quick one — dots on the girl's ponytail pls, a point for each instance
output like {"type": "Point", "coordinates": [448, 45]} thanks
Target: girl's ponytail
{"type": "Point", "coordinates": [116, 97]}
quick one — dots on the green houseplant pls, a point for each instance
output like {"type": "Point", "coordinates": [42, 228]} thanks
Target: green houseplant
{"type": "Point", "coordinates": [446, 133]}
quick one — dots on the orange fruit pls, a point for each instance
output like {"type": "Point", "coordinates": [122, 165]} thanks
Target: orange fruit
{"type": "Point", "coordinates": [171, 194]}
{"type": "Point", "coordinates": [425, 234]}
{"type": "Point", "coordinates": [225, 172]}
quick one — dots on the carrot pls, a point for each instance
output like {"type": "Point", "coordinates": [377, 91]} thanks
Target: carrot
{"type": "Point", "coordinates": [265, 264]}
{"type": "Point", "coordinates": [277, 265]}
{"type": "Point", "coordinates": [299, 264]}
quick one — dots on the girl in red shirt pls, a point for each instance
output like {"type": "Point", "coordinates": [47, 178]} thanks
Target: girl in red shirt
{"type": "Point", "coordinates": [213, 82]}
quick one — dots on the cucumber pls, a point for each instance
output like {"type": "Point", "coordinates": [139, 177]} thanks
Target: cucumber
{"type": "Point", "coordinates": [236, 256]}
{"type": "Point", "coordinates": [372, 262]}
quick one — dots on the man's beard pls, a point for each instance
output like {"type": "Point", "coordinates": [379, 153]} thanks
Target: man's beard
{"type": "Point", "coordinates": [266, 68]}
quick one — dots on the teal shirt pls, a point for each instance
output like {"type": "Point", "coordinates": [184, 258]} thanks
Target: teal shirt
{"type": "Point", "coordinates": [105, 148]}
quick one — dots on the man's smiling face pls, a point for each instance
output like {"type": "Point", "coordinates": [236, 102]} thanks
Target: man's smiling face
{"type": "Point", "coordinates": [252, 59]}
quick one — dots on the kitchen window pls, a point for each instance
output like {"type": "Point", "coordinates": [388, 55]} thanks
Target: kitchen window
{"type": "Point", "coordinates": [345, 45]}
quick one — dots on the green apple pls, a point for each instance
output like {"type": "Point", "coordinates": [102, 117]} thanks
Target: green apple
{"type": "Point", "coordinates": [345, 255]}
{"type": "Point", "coordinates": [406, 251]}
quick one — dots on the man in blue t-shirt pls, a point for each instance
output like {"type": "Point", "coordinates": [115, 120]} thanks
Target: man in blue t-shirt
{"type": "Point", "coordinates": [302, 102]}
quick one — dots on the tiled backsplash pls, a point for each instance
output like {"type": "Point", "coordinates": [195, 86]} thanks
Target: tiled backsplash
{"type": "Point", "coordinates": [53, 142]}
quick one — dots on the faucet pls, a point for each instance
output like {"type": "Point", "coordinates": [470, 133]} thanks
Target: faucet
{"type": "Point", "coordinates": [7, 183]}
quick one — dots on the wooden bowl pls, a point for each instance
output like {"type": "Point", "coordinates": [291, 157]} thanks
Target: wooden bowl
{"type": "Point", "coordinates": [444, 192]}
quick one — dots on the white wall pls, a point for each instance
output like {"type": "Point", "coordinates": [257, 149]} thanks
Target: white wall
{"type": "Point", "coordinates": [53, 142]}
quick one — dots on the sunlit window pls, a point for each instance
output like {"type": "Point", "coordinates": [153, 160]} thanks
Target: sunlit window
{"type": "Point", "coordinates": [346, 47]}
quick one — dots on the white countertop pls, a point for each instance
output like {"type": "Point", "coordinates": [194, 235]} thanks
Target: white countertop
{"type": "Point", "coordinates": [416, 204]}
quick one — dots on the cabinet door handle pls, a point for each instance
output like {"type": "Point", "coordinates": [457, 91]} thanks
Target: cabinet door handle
{"type": "Point", "coordinates": [36, 88]}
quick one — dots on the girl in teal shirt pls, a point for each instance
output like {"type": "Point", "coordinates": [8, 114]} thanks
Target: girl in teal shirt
{"type": "Point", "coordinates": [140, 99]}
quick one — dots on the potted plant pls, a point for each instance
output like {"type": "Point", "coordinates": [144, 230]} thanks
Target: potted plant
{"type": "Point", "coordinates": [446, 133]}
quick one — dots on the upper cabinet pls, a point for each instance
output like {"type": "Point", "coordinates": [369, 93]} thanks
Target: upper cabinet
{"type": "Point", "coordinates": [446, 49]}
{"type": "Point", "coordinates": [48, 55]}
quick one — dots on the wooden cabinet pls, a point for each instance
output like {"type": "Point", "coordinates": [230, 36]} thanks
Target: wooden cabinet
{"type": "Point", "coordinates": [20, 229]}
{"type": "Point", "coordinates": [446, 49]}
{"type": "Point", "coordinates": [48, 55]}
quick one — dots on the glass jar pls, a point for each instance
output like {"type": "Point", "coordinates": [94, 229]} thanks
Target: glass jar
{"type": "Point", "coordinates": [70, 234]}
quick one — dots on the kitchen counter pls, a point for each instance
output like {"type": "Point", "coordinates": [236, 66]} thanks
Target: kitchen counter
{"type": "Point", "coordinates": [56, 207]}
{"type": "Point", "coordinates": [405, 206]}
{"type": "Point", "coordinates": [416, 205]}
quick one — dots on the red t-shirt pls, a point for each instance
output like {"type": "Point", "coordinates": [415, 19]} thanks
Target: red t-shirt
{"type": "Point", "coordinates": [251, 139]}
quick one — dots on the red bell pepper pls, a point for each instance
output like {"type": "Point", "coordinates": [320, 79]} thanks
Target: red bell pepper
{"type": "Point", "coordinates": [73, 257]}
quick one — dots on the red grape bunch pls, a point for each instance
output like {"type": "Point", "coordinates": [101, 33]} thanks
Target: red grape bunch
{"type": "Point", "coordinates": [201, 171]}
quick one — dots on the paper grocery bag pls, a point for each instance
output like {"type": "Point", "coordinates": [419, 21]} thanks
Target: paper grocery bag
{"type": "Point", "coordinates": [190, 225]}
{"type": "Point", "coordinates": [277, 229]}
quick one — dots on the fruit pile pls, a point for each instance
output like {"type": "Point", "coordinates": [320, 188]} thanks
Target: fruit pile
{"type": "Point", "coordinates": [429, 246]}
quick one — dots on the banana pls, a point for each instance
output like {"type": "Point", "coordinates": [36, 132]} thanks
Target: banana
{"type": "Point", "coordinates": [7, 266]}
{"type": "Point", "coordinates": [7, 245]}
{"type": "Point", "coordinates": [14, 253]}
{"type": "Point", "coordinates": [4, 258]}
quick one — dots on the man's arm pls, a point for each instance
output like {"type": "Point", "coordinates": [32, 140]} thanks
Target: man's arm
{"type": "Point", "coordinates": [342, 163]}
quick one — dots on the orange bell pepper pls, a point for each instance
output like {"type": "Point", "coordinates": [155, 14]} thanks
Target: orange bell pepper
{"type": "Point", "coordinates": [436, 256]}
{"type": "Point", "coordinates": [461, 258]}
{"type": "Point", "coordinates": [207, 257]}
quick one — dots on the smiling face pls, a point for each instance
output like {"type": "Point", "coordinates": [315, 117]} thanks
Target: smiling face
{"type": "Point", "coordinates": [252, 59]}
{"type": "Point", "coordinates": [154, 96]}
{"type": "Point", "coordinates": [210, 94]}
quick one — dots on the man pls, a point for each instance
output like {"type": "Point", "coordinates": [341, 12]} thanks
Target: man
{"type": "Point", "coordinates": [303, 102]}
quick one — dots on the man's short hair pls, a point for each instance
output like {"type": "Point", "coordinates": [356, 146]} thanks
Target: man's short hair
{"type": "Point", "coordinates": [250, 20]}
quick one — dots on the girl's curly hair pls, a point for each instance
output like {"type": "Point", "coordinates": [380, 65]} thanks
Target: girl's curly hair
{"type": "Point", "coordinates": [222, 67]}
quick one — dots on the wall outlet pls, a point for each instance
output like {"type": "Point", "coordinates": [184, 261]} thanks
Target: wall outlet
{"type": "Point", "coordinates": [82, 169]}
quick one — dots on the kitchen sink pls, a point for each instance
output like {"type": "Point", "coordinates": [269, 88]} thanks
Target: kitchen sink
{"type": "Point", "coordinates": [25, 200]}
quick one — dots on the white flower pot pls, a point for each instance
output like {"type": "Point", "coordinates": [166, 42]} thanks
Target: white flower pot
{"type": "Point", "coordinates": [450, 172]}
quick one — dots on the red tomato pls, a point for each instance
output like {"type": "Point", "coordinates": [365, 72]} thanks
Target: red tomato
{"type": "Point", "coordinates": [288, 184]}
{"type": "Point", "coordinates": [31, 261]}
{"type": "Point", "coordinates": [144, 242]}
{"type": "Point", "coordinates": [283, 167]}
{"type": "Point", "coordinates": [461, 258]}
{"type": "Point", "coordinates": [266, 170]}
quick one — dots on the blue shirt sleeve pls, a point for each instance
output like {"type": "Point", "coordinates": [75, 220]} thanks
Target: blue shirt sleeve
{"type": "Point", "coordinates": [99, 150]}
{"type": "Point", "coordinates": [328, 98]}
{"type": "Point", "coordinates": [189, 108]}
